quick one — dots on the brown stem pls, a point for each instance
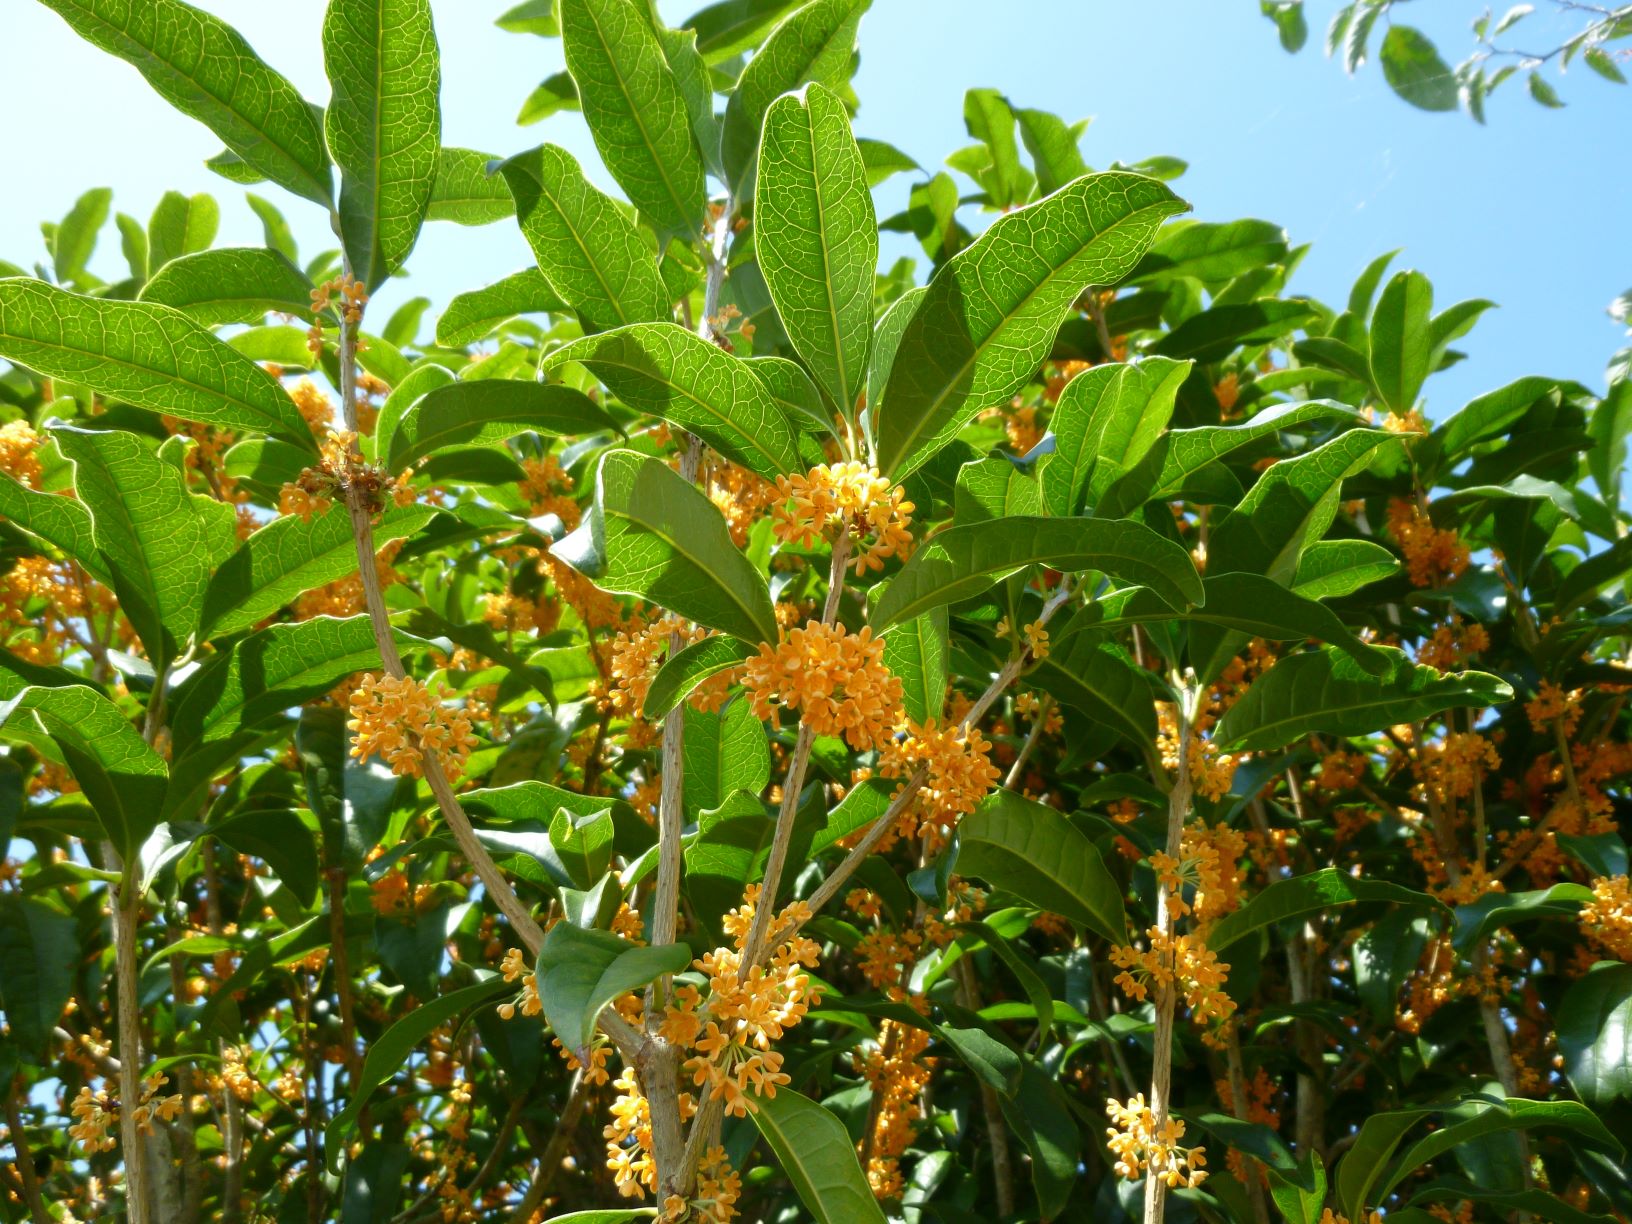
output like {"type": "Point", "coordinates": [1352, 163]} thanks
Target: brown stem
{"type": "Point", "coordinates": [1166, 998]}
{"type": "Point", "coordinates": [192, 1169]}
{"type": "Point", "coordinates": [232, 1129]}
{"type": "Point", "coordinates": [25, 1160]}
{"type": "Point", "coordinates": [1238, 1098]}
{"type": "Point", "coordinates": [126, 914]}
{"type": "Point", "coordinates": [1030, 744]}
{"type": "Point", "coordinates": [340, 961]}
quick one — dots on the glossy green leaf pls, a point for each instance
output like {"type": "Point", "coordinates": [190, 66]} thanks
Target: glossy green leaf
{"type": "Point", "coordinates": [205, 69]}
{"type": "Point", "coordinates": [387, 1054]}
{"type": "Point", "coordinates": [635, 110]}
{"type": "Point", "coordinates": [650, 533]}
{"type": "Point", "coordinates": [816, 238]}
{"type": "Point", "coordinates": [1491, 912]}
{"type": "Point", "coordinates": [588, 250]}
{"type": "Point", "coordinates": [1218, 331]}
{"type": "Point", "coordinates": [814, 43]}
{"type": "Point", "coordinates": [1106, 421]}
{"type": "Point", "coordinates": [74, 238]}
{"type": "Point", "coordinates": [1212, 253]}
{"type": "Point", "coordinates": [665, 371]}
{"type": "Point", "coordinates": [961, 562]}
{"type": "Point", "coordinates": [489, 411]}
{"type": "Point", "coordinates": [1595, 1035]}
{"type": "Point", "coordinates": [144, 354]}
{"type": "Point", "coordinates": [1330, 569]}
{"type": "Point", "coordinates": [1400, 343]}
{"type": "Point", "coordinates": [468, 190]}
{"type": "Point", "coordinates": [1052, 143]}
{"type": "Point", "coordinates": [121, 776]}
{"type": "Point", "coordinates": [1242, 606]}
{"type": "Point", "coordinates": [990, 315]}
{"type": "Point", "coordinates": [1306, 894]}
{"type": "Point", "coordinates": [38, 950]}
{"type": "Point", "coordinates": [726, 750]}
{"type": "Point", "coordinates": [581, 971]}
{"type": "Point", "coordinates": [383, 125]}
{"type": "Point", "coordinates": [472, 316]}
{"type": "Point", "coordinates": [1089, 672]}
{"type": "Point", "coordinates": [288, 557]}
{"type": "Point", "coordinates": [555, 93]}
{"type": "Point", "coordinates": [1036, 853]}
{"type": "Point", "coordinates": [1489, 415]}
{"type": "Point", "coordinates": [154, 540]}
{"type": "Point", "coordinates": [682, 673]}
{"type": "Point", "coordinates": [916, 652]}
{"type": "Point", "coordinates": [818, 1157]}
{"type": "Point", "coordinates": [1327, 692]}
{"type": "Point", "coordinates": [180, 225]}
{"type": "Point", "coordinates": [60, 521]}
{"type": "Point", "coordinates": [231, 285]}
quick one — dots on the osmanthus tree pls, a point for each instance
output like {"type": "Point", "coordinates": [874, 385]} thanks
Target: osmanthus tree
{"type": "Point", "coordinates": [718, 731]}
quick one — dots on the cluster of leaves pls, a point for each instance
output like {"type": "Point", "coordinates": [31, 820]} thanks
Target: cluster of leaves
{"type": "Point", "coordinates": [1415, 70]}
{"type": "Point", "coordinates": [894, 715]}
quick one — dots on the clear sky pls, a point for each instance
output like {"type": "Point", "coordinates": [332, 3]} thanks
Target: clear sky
{"type": "Point", "coordinates": [1530, 211]}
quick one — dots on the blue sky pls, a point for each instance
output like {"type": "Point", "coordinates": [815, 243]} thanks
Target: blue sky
{"type": "Point", "coordinates": [1529, 211]}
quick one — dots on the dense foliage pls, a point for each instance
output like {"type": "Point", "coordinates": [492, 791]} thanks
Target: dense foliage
{"type": "Point", "coordinates": [714, 730]}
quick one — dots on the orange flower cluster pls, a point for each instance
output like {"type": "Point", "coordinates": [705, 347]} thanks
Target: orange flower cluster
{"type": "Point", "coordinates": [1036, 637]}
{"type": "Point", "coordinates": [548, 490]}
{"type": "Point", "coordinates": [1552, 704]}
{"type": "Point", "coordinates": [1434, 556]}
{"type": "Point", "coordinates": [1023, 428]}
{"type": "Point", "coordinates": [340, 469]}
{"type": "Point", "coordinates": [402, 720]}
{"type": "Point", "coordinates": [315, 407]}
{"type": "Point", "coordinates": [959, 769]}
{"type": "Point", "coordinates": [1341, 771]}
{"type": "Point", "coordinates": [1211, 854]}
{"type": "Point", "coordinates": [856, 498]}
{"type": "Point", "coordinates": [733, 1029]}
{"type": "Point", "coordinates": [353, 297]}
{"type": "Point", "coordinates": [1452, 768]}
{"type": "Point", "coordinates": [836, 680]}
{"type": "Point", "coordinates": [742, 497]}
{"type": "Point", "coordinates": [1139, 1145]}
{"type": "Point", "coordinates": [1452, 646]}
{"type": "Point", "coordinates": [629, 1139]}
{"type": "Point", "coordinates": [18, 459]}
{"type": "Point", "coordinates": [638, 653]}
{"type": "Point", "coordinates": [515, 969]}
{"type": "Point", "coordinates": [1181, 961]}
{"type": "Point", "coordinates": [96, 1115]}
{"type": "Point", "coordinates": [1261, 1107]}
{"type": "Point", "coordinates": [718, 1186]}
{"type": "Point", "coordinates": [1211, 771]}
{"type": "Point", "coordinates": [898, 1072]}
{"type": "Point", "coordinates": [393, 895]}
{"type": "Point", "coordinates": [1607, 918]}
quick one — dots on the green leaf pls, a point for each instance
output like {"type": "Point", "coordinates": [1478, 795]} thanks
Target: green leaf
{"type": "Point", "coordinates": [74, 238]}
{"type": "Point", "coordinates": [961, 562]}
{"type": "Point", "coordinates": [467, 190]}
{"type": "Point", "coordinates": [588, 250]}
{"type": "Point", "coordinates": [1053, 145]}
{"type": "Point", "coordinates": [384, 126]}
{"type": "Point", "coordinates": [1330, 569]}
{"type": "Point", "coordinates": [205, 69]}
{"type": "Point", "coordinates": [916, 652]}
{"type": "Point", "coordinates": [1307, 894]}
{"type": "Point", "coordinates": [650, 533]}
{"type": "Point", "coordinates": [1212, 254]}
{"type": "Point", "coordinates": [1414, 70]}
{"type": "Point", "coordinates": [581, 971]}
{"type": "Point", "coordinates": [122, 777]}
{"type": "Point", "coordinates": [1490, 414]}
{"type": "Point", "coordinates": [818, 1157]}
{"type": "Point", "coordinates": [1106, 421]}
{"type": "Point", "coordinates": [472, 316]}
{"type": "Point", "coordinates": [232, 285]}
{"type": "Point", "coordinates": [60, 521]}
{"type": "Point", "coordinates": [288, 557]}
{"type": "Point", "coordinates": [1300, 1197]}
{"type": "Point", "coordinates": [1040, 1114]}
{"type": "Point", "coordinates": [682, 673]}
{"type": "Point", "coordinates": [1180, 454]}
{"type": "Point", "coordinates": [816, 238]}
{"type": "Point", "coordinates": [1291, 506]}
{"type": "Point", "coordinates": [39, 948]}
{"type": "Point", "coordinates": [584, 843]}
{"type": "Point", "coordinates": [154, 541]}
{"type": "Point", "coordinates": [635, 110]}
{"type": "Point", "coordinates": [884, 161]}
{"type": "Point", "coordinates": [988, 117]}
{"type": "Point", "coordinates": [1400, 343]}
{"type": "Point", "coordinates": [726, 750]}
{"type": "Point", "coordinates": [1493, 911]}
{"type": "Point", "coordinates": [1489, 1118]}
{"type": "Point", "coordinates": [1539, 1203]}
{"type": "Point", "coordinates": [274, 229]}
{"type": "Point", "coordinates": [1036, 853]}
{"type": "Point", "coordinates": [180, 225]}
{"type": "Point", "coordinates": [665, 371]}
{"type": "Point", "coordinates": [489, 411]}
{"type": "Point", "coordinates": [555, 93]}
{"type": "Point", "coordinates": [1327, 692]}
{"type": "Point", "coordinates": [387, 1053]}
{"type": "Point", "coordinates": [1217, 332]}
{"type": "Point", "coordinates": [815, 43]}
{"type": "Point", "coordinates": [280, 839]}
{"type": "Point", "coordinates": [1595, 1035]}
{"type": "Point", "coordinates": [1090, 672]}
{"type": "Point", "coordinates": [1240, 606]}
{"type": "Point", "coordinates": [147, 355]}
{"type": "Point", "coordinates": [990, 314]}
